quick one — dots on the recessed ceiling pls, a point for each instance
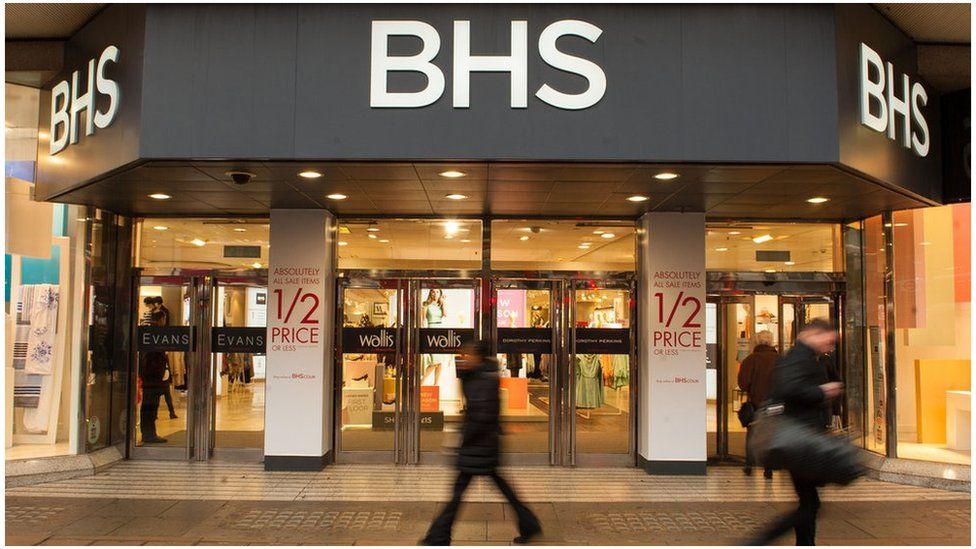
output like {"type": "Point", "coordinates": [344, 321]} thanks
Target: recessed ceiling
{"type": "Point", "coordinates": [46, 21]}
{"type": "Point", "coordinates": [493, 189]}
{"type": "Point", "coordinates": [939, 23]}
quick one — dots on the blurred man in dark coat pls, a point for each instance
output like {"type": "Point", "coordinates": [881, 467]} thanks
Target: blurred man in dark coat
{"type": "Point", "coordinates": [478, 453]}
{"type": "Point", "coordinates": [800, 382]}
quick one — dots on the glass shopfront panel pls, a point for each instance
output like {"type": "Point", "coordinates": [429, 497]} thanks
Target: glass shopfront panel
{"type": "Point", "coordinates": [876, 356]}
{"type": "Point", "coordinates": [447, 319]}
{"type": "Point", "coordinates": [370, 341]}
{"type": "Point", "coordinates": [932, 337]}
{"type": "Point", "coordinates": [601, 370]}
{"type": "Point", "coordinates": [525, 343]}
{"type": "Point", "coordinates": [773, 247]}
{"type": "Point", "coordinates": [559, 245]}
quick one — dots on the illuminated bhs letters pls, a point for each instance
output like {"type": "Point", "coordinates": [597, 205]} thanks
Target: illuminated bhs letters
{"type": "Point", "coordinates": [881, 108]}
{"type": "Point", "coordinates": [516, 64]}
{"type": "Point", "coordinates": [67, 105]}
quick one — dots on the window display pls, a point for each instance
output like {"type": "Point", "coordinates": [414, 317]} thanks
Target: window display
{"type": "Point", "coordinates": [932, 332]}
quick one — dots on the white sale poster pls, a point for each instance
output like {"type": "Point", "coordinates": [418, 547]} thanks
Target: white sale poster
{"type": "Point", "coordinates": [673, 343]}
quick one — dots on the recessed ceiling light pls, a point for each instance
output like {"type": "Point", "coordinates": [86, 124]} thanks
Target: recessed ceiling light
{"type": "Point", "coordinates": [598, 231]}
{"type": "Point", "coordinates": [256, 265]}
{"type": "Point", "coordinates": [607, 235]}
{"type": "Point", "coordinates": [160, 196]}
{"type": "Point", "coordinates": [584, 246]}
{"type": "Point", "coordinates": [161, 227]}
{"type": "Point", "coordinates": [465, 240]}
{"type": "Point", "coordinates": [343, 243]}
{"type": "Point", "coordinates": [451, 227]}
{"type": "Point", "coordinates": [373, 236]}
{"type": "Point", "coordinates": [721, 249]}
{"type": "Point", "coordinates": [240, 230]}
{"type": "Point", "coordinates": [666, 176]}
{"type": "Point", "coordinates": [372, 229]}
{"type": "Point", "coordinates": [198, 242]}
{"type": "Point", "coordinates": [310, 174]}
{"type": "Point", "coordinates": [384, 240]}
{"type": "Point", "coordinates": [770, 270]}
{"type": "Point", "coordinates": [523, 238]}
{"type": "Point", "coordinates": [452, 174]}
{"type": "Point", "coordinates": [789, 263]}
{"type": "Point", "coordinates": [926, 243]}
{"type": "Point", "coordinates": [734, 232]}
{"type": "Point", "coordinates": [762, 238]}
{"type": "Point", "coordinates": [901, 224]}
{"type": "Point", "coordinates": [337, 196]}
{"type": "Point", "coordinates": [449, 236]}
{"type": "Point", "coordinates": [817, 200]}
{"type": "Point", "coordinates": [637, 198]}
{"type": "Point", "coordinates": [456, 196]}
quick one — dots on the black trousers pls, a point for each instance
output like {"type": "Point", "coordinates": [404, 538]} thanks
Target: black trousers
{"type": "Point", "coordinates": [168, 395]}
{"type": "Point", "coordinates": [751, 459]}
{"type": "Point", "coordinates": [148, 410]}
{"type": "Point", "coordinates": [803, 520]}
{"type": "Point", "coordinates": [439, 532]}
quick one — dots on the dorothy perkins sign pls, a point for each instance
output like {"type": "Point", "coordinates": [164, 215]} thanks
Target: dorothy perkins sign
{"type": "Point", "coordinates": [465, 63]}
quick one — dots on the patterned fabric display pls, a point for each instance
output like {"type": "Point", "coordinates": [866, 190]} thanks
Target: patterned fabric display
{"type": "Point", "coordinates": [43, 328]}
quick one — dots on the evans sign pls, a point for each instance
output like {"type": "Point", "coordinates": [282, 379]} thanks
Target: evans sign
{"type": "Point", "coordinates": [884, 111]}
{"type": "Point", "coordinates": [164, 338]}
{"type": "Point", "coordinates": [67, 105]}
{"type": "Point", "coordinates": [516, 64]}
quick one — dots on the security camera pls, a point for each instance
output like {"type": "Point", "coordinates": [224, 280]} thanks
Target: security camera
{"type": "Point", "coordinates": [240, 177]}
{"type": "Point", "coordinates": [535, 230]}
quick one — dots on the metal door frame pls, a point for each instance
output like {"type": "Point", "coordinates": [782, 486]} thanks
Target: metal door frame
{"type": "Point", "coordinates": [414, 453]}
{"type": "Point", "coordinates": [197, 286]}
{"type": "Point", "coordinates": [721, 380]}
{"type": "Point", "coordinates": [570, 455]}
{"type": "Point", "coordinates": [254, 455]}
{"type": "Point", "coordinates": [395, 455]}
{"type": "Point", "coordinates": [556, 324]}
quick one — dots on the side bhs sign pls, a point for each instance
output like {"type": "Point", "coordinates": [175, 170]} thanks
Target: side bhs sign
{"type": "Point", "coordinates": [67, 103]}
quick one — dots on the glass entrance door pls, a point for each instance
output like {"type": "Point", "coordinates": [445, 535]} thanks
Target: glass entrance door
{"type": "Point", "coordinates": [526, 332]}
{"type": "Point", "coordinates": [237, 365]}
{"type": "Point", "coordinates": [370, 382]}
{"type": "Point", "coordinates": [446, 315]}
{"type": "Point", "coordinates": [598, 420]}
{"type": "Point", "coordinates": [164, 357]}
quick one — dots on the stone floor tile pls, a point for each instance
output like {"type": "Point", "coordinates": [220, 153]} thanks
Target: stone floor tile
{"type": "Point", "coordinates": [501, 530]}
{"type": "Point", "coordinates": [155, 527]}
{"type": "Point", "coordinates": [136, 508]}
{"type": "Point", "coordinates": [470, 530]}
{"type": "Point", "coordinates": [899, 528]}
{"type": "Point", "coordinates": [118, 542]}
{"type": "Point", "coordinates": [191, 509]}
{"type": "Point", "coordinates": [25, 538]}
{"type": "Point", "coordinates": [94, 526]}
{"type": "Point", "coordinates": [838, 528]}
{"type": "Point", "coordinates": [481, 511]}
{"type": "Point", "coordinates": [67, 541]}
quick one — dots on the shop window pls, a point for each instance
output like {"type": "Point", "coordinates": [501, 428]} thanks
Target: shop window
{"type": "Point", "coordinates": [409, 244]}
{"type": "Point", "coordinates": [875, 264]}
{"type": "Point", "coordinates": [172, 244]}
{"type": "Point", "coordinates": [773, 247]}
{"type": "Point", "coordinates": [605, 246]}
{"type": "Point", "coordinates": [933, 309]}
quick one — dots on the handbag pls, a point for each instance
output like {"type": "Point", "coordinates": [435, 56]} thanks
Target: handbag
{"type": "Point", "coordinates": [746, 413]}
{"type": "Point", "coordinates": [782, 442]}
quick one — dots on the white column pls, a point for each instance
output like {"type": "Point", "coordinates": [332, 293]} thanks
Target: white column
{"type": "Point", "coordinates": [301, 305]}
{"type": "Point", "coordinates": [671, 424]}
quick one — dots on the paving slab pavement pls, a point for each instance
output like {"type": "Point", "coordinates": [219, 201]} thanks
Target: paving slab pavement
{"type": "Point", "coordinates": [51, 521]}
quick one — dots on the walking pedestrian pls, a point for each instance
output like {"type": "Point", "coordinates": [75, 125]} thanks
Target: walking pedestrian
{"type": "Point", "coordinates": [756, 379]}
{"type": "Point", "coordinates": [152, 372]}
{"type": "Point", "coordinates": [800, 382]}
{"type": "Point", "coordinates": [479, 449]}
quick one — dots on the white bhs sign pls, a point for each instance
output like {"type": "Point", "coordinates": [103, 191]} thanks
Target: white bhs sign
{"type": "Point", "coordinates": [882, 109]}
{"type": "Point", "coordinates": [516, 64]}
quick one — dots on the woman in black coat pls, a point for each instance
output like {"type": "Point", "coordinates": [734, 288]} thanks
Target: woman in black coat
{"type": "Point", "coordinates": [480, 445]}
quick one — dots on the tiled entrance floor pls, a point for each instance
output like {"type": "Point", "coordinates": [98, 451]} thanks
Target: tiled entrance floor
{"type": "Point", "coordinates": [226, 481]}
